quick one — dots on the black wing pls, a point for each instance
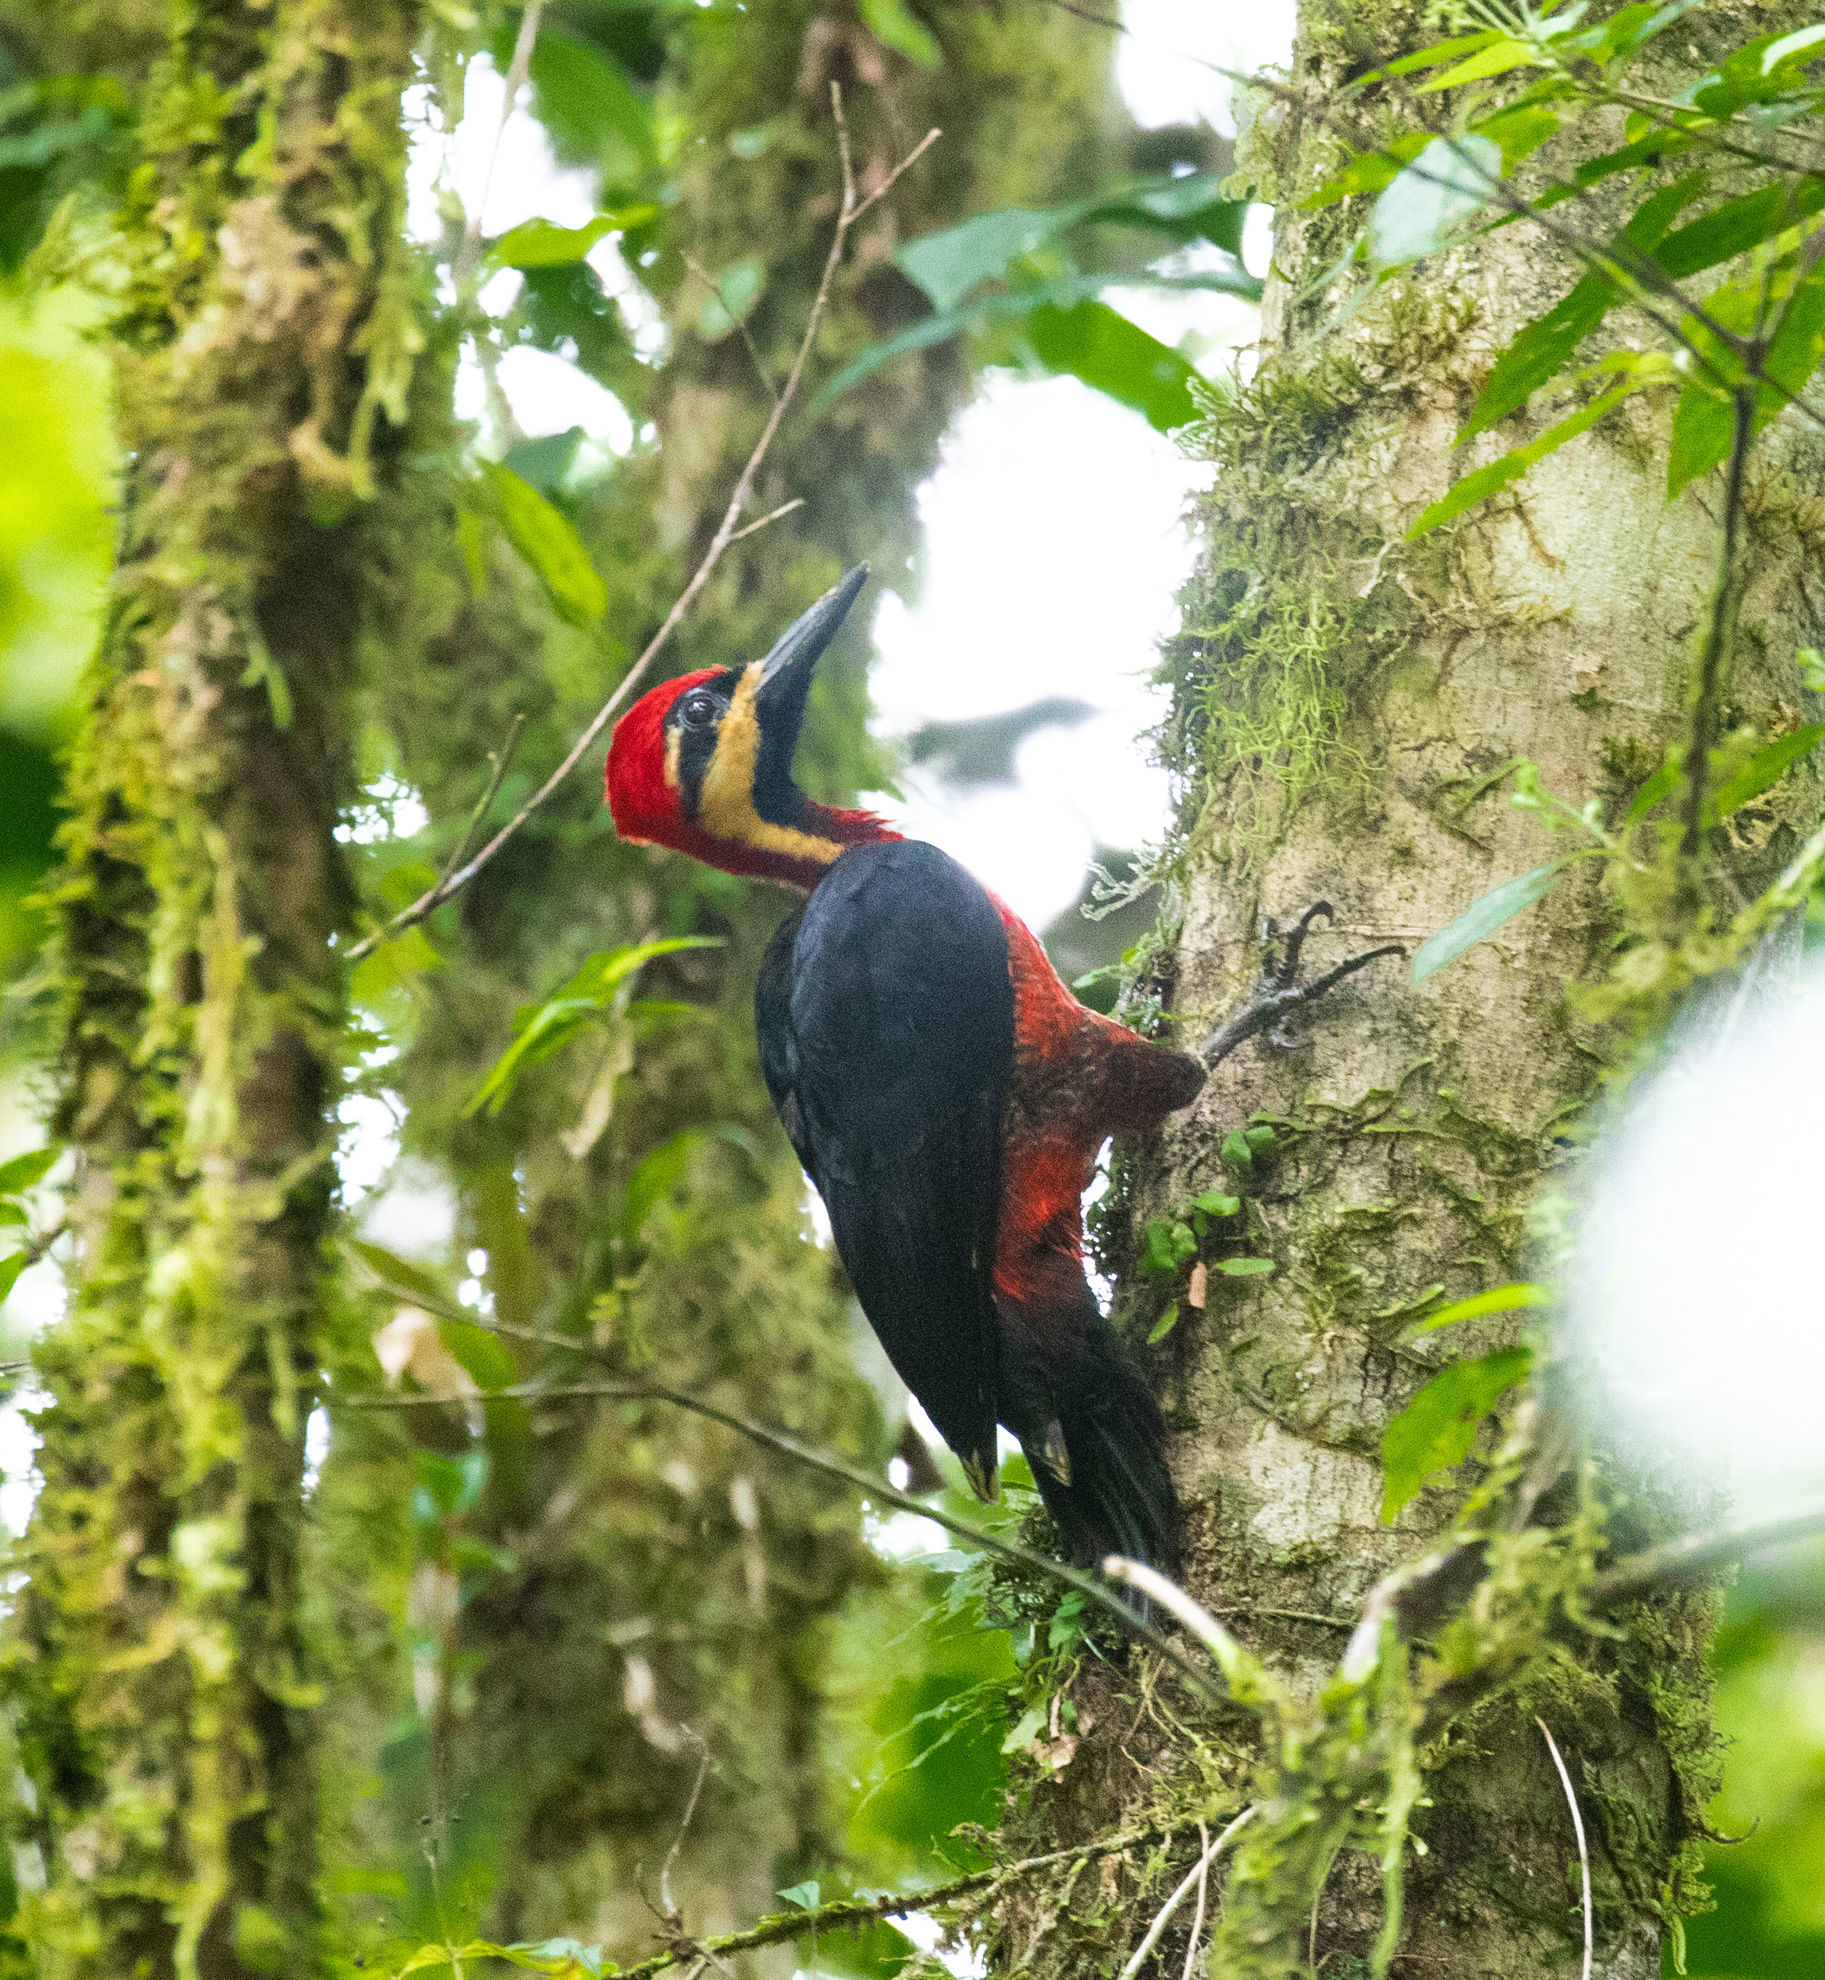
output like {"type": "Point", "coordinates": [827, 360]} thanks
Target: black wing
{"type": "Point", "coordinates": [886, 1023]}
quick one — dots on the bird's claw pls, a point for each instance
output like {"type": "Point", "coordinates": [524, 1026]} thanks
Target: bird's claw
{"type": "Point", "coordinates": [1279, 993]}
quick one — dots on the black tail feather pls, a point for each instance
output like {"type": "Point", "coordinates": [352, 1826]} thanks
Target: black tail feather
{"type": "Point", "coordinates": [1119, 1497]}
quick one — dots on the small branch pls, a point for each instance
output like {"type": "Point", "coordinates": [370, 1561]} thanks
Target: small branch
{"type": "Point", "coordinates": [695, 267]}
{"type": "Point", "coordinates": [690, 1809]}
{"type": "Point", "coordinates": [844, 1914]}
{"type": "Point", "coordinates": [500, 761]}
{"type": "Point", "coordinates": [1195, 1877]}
{"type": "Point", "coordinates": [1697, 1554]}
{"type": "Point", "coordinates": [1584, 1857]}
{"type": "Point", "coordinates": [1197, 1922]}
{"type": "Point", "coordinates": [851, 211]}
{"type": "Point", "coordinates": [1719, 642]}
{"type": "Point", "coordinates": [877, 1489]}
{"type": "Point", "coordinates": [772, 516]}
{"type": "Point", "coordinates": [469, 255]}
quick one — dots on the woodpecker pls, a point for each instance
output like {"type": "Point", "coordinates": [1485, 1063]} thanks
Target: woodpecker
{"type": "Point", "coordinates": [946, 1093]}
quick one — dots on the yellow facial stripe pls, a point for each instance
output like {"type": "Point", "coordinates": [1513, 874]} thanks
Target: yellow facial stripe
{"type": "Point", "coordinates": [674, 742]}
{"type": "Point", "coordinates": [726, 804]}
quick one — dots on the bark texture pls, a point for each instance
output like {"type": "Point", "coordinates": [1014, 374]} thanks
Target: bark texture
{"type": "Point", "coordinates": [161, 1664]}
{"type": "Point", "coordinates": [1345, 705]}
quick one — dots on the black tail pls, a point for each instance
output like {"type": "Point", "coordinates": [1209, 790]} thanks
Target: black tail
{"type": "Point", "coordinates": [1112, 1494]}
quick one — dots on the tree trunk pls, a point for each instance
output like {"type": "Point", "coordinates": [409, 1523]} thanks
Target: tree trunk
{"type": "Point", "coordinates": [1346, 705]}
{"type": "Point", "coordinates": [163, 1667]}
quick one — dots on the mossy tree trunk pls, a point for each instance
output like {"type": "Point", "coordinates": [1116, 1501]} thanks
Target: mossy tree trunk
{"type": "Point", "coordinates": [162, 1665]}
{"type": "Point", "coordinates": [1346, 704]}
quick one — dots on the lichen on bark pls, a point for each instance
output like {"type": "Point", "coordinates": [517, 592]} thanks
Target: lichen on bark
{"type": "Point", "coordinates": [162, 1675]}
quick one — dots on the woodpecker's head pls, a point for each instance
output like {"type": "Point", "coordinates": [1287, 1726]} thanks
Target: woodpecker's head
{"type": "Point", "coordinates": [703, 764]}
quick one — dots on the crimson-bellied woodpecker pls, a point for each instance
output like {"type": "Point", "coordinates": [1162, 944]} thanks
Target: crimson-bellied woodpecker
{"type": "Point", "coordinates": [946, 1093]}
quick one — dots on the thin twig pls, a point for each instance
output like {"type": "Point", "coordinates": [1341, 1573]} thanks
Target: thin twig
{"type": "Point", "coordinates": [468, 256]}
{"type": "Point", "coordinates": [772, 516]}
{"type": "Point", "coordinates": [1197, 1921]}
{"type": "Point", "coordinates": [1163, 1917]}
{"type": "Point", "coordinates": [690, 1809]}
{"type": "Point", "coordinates": [877, 1489]}
{"type": "Point", "coordinates": [1697, 1554]}
{"type": "Point", "coordinates": [850, 212]}
{"type": "Point", "coordinates": [1719, 642]}
{"type": "Point", "coordinates": [695, 267]}
{"type": "Point", "coordinates": [1584, 1857]}
{"type": "Point", "coordinates": [846, 1914]}
{"type": "Point", "coordinates": [500, 762]}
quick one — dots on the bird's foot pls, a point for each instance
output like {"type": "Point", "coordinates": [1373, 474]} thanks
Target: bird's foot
{"type": "Point", "coordinates": [1279, 993]}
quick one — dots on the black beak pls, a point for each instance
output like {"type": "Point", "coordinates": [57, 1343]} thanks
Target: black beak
{"type": "Point", "coordinates": [785, 674]}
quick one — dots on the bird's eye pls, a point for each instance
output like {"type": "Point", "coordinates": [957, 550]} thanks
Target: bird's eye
{"type": "Point", "coordinates": [697, 711]}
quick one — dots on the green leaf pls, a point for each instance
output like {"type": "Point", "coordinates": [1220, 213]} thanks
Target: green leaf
{"type": "Point", "coordinates": [569, 1952]}
{"type": "Point", "coordinates": [1167, 1245]}
{"type": "Point", "coordinates": [483, 1357]}
{"type": "Point", "coordinates": [1438, 1427]}
{"type": "Point", "coordinates": [654, 1179]}
{"type": "Point", "coordinates": [542, 244]}
{"type": "Point", "coordinates": [1429, 58]}
{"type": "Point", "coordinates": [542, 1029]}
{"type": "Point", "coordinates": [1704, 430]}
{"type": "Point", "coordinates": [1486, 481]}
{"type": "Point", "coordinates": [1236, 1151]}
{"type": "Point", "coordinates": [1495, 60]}
{"type": "Point", "coordinates": [738, 289]}
{"type": "Point", "coordinates": [1369, 171]}
{"type": "Point", "coordinates": [1025, 1729]}
{"type": "Point", "coordinates": [893, 22]}
{"type": "Point", "coordinates": [989, 310]}
{"type": "Point", "coordinates": [12, 1213]}
{"type": "Point", "coordinates": [10, 1268]}
{"type": "Point", "coordinates": [1652, 792]}
{"type": "Point", "coordinates": [1444, 186]}
{"type": "Point", "coordinates": [1766, 768]}
{"type": "Point", "coordinates": [1259, 1139]}
{"type": "Point", "coordinates": [406, 1281]}
{"type": "Point", "coordinates": [547, 540]}
{"type": "Point", "coordinates": [950, 264]}
{"type": "Point", "coordinates": [1547, 345]}
{"type": "Point", "coordinates": [1245, 1268]}
{"type": "Point", "coordinates": [1164, 1324]}
{"type": "Point", "coordinates": [584, 99]}
{"type": "Point", "coordinates": [1215, 1204]}
{"type": "Point", "coordinates": [1498, 1299]}
{"type": "Point", "coordinates": [1092, 342]}
{"type": "Point", "coordinates": [1482, 918]}
{"type": "Point", "coordinates": [1738, 225]}
{"type": "Point", "coordinates": [25, 1170]}
{"type": "Point", "coordinates": [803, 1897]}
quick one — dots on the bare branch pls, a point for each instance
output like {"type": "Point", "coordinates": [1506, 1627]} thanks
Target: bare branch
{"type": "Point", "coordinates": [500, 760]}
{"type": "Point", "coordinates": [684, 1823]}
{"type": "Point", "coordinates": [877, 1489]}
{"type": "Point", "coordinates": [843, 1914]}
{"type": "Point", "coordinates": [772, 516]}
{"type": "Point", "coordinates": [1195, 1877]}
{"type": "Point", "coordinates": [850, 212]}
{"type": "Point", "coordinates": [1197, 1921]}
{"type": "Point", "coordinates": [469, 255]}
{"type": "Point", "coordinates": [1698, 1554]}
{"type": "Point", "coordinates": [1584, 1855]}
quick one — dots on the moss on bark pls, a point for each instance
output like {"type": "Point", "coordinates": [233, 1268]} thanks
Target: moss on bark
{"type": "Point", "coordinates": [164, 1679]}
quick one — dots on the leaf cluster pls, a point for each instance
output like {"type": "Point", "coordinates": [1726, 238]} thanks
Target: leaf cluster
{"type": "Point", "coordinates": [1502, 126]}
